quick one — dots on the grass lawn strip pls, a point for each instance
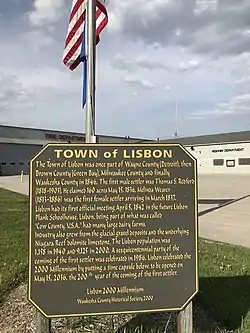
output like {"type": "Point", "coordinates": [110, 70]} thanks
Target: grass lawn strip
{"type": "Point", "coordinates": [224, 269]}
{"type": "Point", "coordinates": [13, 240]}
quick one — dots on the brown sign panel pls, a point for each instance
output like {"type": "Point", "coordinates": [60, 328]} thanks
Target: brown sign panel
{"type": "Point", "coordinates": [113, 229]}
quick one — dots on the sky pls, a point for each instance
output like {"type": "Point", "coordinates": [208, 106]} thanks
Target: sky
{"type": "Point", "coordinates": [154, 57]}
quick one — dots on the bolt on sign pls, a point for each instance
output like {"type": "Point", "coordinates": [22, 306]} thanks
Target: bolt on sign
{"type": "Point", "coordinates": [113, 229]}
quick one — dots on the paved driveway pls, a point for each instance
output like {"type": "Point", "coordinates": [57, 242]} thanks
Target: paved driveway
{"type": "Point", "coordinates": [224, 208]}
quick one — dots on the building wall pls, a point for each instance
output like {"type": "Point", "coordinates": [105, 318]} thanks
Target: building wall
{"type": "Point", "coordinates": [214, 155]}
{"type": "Point", "coordinates": [37, 134]}
{"type": "Point", "coordinates": [11, 132]}
{"type": "Point", "coordinates": [14, 158]}
{"type": "Point", "coordinates": [243, 136]}
{"type": "Point", "coordinates": [231, 158]}
{"type": "Point", "coordinates": [19, 145]}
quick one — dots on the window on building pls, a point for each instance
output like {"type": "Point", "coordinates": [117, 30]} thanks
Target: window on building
{"type": "Point", "coordinates": [230, 163]}
{"type": "Point", "coordinates": [218, 162]}
{"type": "Point", "coordinates": [12, 163]}
{"type": "Point", "coordinates": [21, 163]}
{"type": "Point", "coordinates": [244, 161]}
{"type": "Point", "coordinates": [3, 163]}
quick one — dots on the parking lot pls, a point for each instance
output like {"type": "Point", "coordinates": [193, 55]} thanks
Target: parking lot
{"type": "Point", "coordinates": [224, 206]}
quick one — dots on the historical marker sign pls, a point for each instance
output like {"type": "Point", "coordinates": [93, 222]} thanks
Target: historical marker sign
{"type": "Point", "coordinates": [113, 229]}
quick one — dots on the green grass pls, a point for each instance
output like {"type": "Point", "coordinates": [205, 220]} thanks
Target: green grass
{"type": "Point", "coordinates": [225, 284]}
{"type": "Point", "coordinates": [13, 240]}
{"type": "Point", "coordinates": [224, 269]}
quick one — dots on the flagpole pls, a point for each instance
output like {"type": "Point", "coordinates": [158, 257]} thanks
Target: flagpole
{"type": "Point", "coordinates": [91, 54]}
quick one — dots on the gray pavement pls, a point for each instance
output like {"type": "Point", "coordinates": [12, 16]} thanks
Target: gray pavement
{"type": "Point", "coordinates": [13, 183]}
{"type": "Point", "coordinates": [224, 206]}
{"type": "Point", "coordinates": [228, 220]}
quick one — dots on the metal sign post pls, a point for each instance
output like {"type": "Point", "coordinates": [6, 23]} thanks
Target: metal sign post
{"type": "Point", "coordinates": [185, 319]}
{"type": "Point", "coordinates": [43, 324]}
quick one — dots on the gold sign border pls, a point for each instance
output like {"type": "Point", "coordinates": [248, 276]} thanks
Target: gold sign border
{"type": "Point", "coordinates": [112, 145]}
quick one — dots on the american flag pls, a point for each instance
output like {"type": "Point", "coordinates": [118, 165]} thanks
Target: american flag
{"type": "Point", "coordinates": [74, 45]}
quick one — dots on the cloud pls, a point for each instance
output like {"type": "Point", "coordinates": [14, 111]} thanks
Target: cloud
{"type": "Point", "coordinates": [37, 39]}
{"type": "Point", "coordinates": [12, 93]}
{"type": "Point", "coordinates": [192, 51]}
{"type": "Point", "coordinates": [192, 64]}
{"type": "Point", "coordinates": [41, 97]}
{"type": "Point", "coordinates": [209, 27]}
{"type": "Point", "coordinates": [139, 82]}
{"type": "Point", "coordinates": [27, 88]}
{"type": "Point", "coordinates": [121, 63]}
{"type": "Point", "coordinates": [243, 80]}
{"type": "Point", "coordinates": [205, 5]}
{"type": "Point", "coordinates": [49, 78]}
{"type": "Point", "coordinates": [44, 26]}
{"type": "Point", "coordinates": [141, 62]}
{"type": "Point", "coordinates": [46, 11]}
{"type": "Point", "coordinates": [239, 105]}
{"type": "Point", "coordinates": [147, 63]}
{"type": "Point", "coordinates": [167, 88]}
